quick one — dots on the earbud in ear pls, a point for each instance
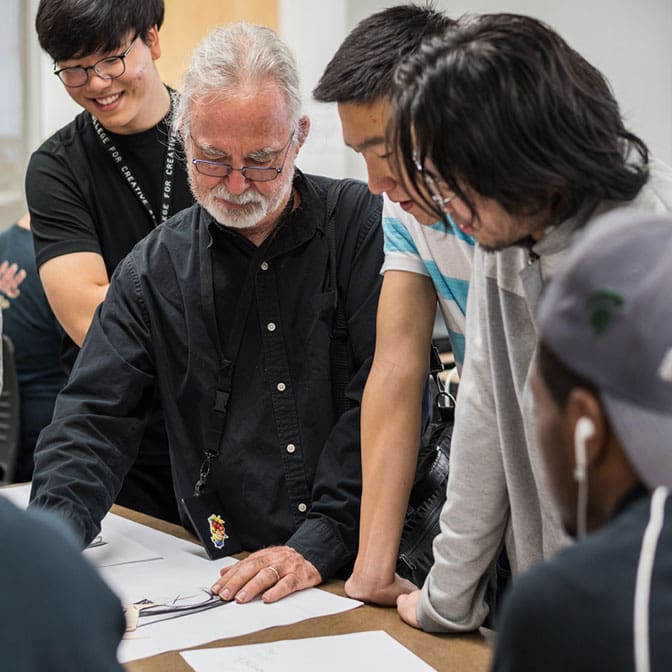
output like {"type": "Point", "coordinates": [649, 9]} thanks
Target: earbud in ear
{"type": "Point", "coordinates": [584, 430]}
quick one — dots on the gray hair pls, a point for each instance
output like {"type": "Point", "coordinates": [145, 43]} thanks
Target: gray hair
{"type": "Point", "coordinates": [232, 57]}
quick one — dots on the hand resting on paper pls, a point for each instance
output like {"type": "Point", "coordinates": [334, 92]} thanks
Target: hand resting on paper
{"type": "Point", "coordinates": [273, 572]}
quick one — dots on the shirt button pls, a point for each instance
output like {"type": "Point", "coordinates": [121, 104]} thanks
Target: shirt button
{"type": "Point", "coordinates": [291, 447]}
{"type": "Point", "coordinates": [271, 326]}
{"type": "Point", "coordinates": [281, 387]}
{"type": "Point", "coordinates": [302, 507]}
{"type": "Point", "coordinates": [264, 266]}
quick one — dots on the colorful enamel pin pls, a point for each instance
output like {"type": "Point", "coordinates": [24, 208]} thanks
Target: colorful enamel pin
{"type": "Point", "coordinates": [217, 530]}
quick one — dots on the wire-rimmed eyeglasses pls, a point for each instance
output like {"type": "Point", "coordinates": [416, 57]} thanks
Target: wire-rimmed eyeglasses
{"type": "Point", "coordinates": [110, 67]}
{"type": "Point", "coordinates": [252, 173]}
{"type": "Point", "coordinates": [432, 183]}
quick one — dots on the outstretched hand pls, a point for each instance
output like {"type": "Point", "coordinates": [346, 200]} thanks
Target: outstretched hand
{"type": "Point", "coordinates": [273, 573]}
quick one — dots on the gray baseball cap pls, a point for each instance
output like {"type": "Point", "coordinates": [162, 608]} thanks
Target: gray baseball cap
{"type": "Point", "coordinates": [607, 316]}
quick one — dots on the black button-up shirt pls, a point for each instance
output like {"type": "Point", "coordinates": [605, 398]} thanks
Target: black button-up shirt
{"type": "Point", "coordinates": [288, 469]}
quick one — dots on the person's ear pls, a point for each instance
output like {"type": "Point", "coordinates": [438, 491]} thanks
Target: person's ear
{"type": "Point", "coordinates": [153, 42]}
{"type": "Point", "coordinates": [302, 131]}
{"type": "Point", "coordinates": [585, 427]}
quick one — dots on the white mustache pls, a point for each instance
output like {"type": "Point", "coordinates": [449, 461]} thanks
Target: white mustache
{"type": "Point", "coordinates": [220, 191]}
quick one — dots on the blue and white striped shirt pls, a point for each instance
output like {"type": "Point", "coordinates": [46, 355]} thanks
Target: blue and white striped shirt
{"type": "Point", "coordinates": [443, 253]}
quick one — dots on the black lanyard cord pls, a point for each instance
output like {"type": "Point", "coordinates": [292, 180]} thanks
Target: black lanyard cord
{"type": "Point", "coordinates": [124, 169]}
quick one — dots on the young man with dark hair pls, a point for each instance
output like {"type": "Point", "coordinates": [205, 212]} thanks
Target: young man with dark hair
{"type": "Point", "coordinates": [602, 384]}
{"type": "Point", "coordinates": [425, 262]}
{"type": "Point", "coordinates": [104, 181]}
{"type": "Point", "coordinates": [526, 146]}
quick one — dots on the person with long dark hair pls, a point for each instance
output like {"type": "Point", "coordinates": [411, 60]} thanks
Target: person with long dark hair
{"type": "Point", "coordinates": [503, 126]}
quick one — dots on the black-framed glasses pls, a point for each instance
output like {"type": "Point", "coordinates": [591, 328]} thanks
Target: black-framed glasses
{"type": "Point", "coordinates": [432, 183]}
{"type": "Point", "coordinates": [106, 68]}
{"type": "Point", "coordinates": [252, 173]}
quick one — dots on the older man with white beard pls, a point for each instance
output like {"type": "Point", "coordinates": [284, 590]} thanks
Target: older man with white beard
{"type": "Point", "coordinates": [251, 315]}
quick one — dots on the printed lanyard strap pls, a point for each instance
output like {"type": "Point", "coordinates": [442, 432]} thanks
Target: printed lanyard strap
{"type": "Point", "coordinates": [126, 173]}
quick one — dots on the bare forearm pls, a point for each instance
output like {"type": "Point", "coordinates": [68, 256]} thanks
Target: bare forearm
{"type": "Point", "coordinates": [390, 441]}
{"type": "Point", "coordinates": [77, 321]}
{"type": "Point", "coordinates": [75, 285]}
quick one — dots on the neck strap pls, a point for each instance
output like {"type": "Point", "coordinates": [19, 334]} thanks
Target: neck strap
{"type": "Point", "coordinates": [127, 174]}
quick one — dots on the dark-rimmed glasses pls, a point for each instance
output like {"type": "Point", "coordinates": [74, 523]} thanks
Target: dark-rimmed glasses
{"type": "Point", "coordinates": [251, 173]}
{"type": "Point", "coordinates": [110, 67]}
{"type": "Point", "coordinates": [432, 183]}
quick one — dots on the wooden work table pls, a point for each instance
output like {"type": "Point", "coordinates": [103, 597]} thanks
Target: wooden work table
{"type": "Point", "coordinates": [446, 653]}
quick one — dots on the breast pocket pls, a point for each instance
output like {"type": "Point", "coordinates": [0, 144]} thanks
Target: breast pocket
{"type": "Point", "coordinates": [318, 343]}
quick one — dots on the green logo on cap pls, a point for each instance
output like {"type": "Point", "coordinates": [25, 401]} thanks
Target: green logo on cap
{"type": "Point", "coordinates": [603, 304]}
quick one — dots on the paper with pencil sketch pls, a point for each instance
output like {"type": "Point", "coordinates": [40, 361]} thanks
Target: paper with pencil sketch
{"type": "Point", "coordinates": [358, 651]}
{"type": "Point", "coordinates": [175, 571]}
{"type": "Point", "coordinates": [171, 582]}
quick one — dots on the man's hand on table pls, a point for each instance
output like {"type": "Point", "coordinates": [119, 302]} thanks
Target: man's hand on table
{"type": "Point", "coordinates": [273, 573]}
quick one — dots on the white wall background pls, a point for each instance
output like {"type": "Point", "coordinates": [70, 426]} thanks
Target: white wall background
{"type": "Point", "coordinates": [630, 42]}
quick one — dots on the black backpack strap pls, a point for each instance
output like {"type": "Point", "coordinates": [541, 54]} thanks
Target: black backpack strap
{"type": "Point", "coordinates": [341, 208]}
{"type": "Point", "coordinates": [339, 335]}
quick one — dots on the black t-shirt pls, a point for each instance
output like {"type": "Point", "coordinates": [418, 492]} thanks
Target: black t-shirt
{"type": "Point", "coordinates": [79, 200]}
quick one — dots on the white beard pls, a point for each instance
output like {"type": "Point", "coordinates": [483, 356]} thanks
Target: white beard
{"type": "Point", "coordinates": [257, 206]}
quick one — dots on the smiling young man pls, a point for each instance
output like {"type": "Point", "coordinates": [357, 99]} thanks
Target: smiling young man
{"type": "Point", "coordinates": [426, 263]}
{"type": "Point", "coordinates": [105, 180]}
{"type": "Point", "coordinates": [229, 313]}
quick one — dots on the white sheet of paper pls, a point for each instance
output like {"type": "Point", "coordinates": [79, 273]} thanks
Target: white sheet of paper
{"type": "Point", "coordinates": [184, 570]}
{"type": "Point", "coordinates": [229, 620]}
{"type": "Point", "coordinates": [17, 494]}
{"type": "Point", "coordinates": [358, 651]}
{"type": "Point", "coordinates": [118, 548]}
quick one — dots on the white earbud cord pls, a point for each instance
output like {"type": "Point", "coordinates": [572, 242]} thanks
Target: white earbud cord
{"type": "Point", "coordinates": [647, 557]}
{"type": "Point", "coordinates": [582, 506]}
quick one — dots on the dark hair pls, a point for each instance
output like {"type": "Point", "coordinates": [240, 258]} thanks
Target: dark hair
{"type": "Point", "coordinates": [74, 28]}
{"type": "Point", "coordinates": [558, 378]}
{"type": "Point", "coordinates": [362, 69]}
{"type": "Point", "coordinates": [502, 105]}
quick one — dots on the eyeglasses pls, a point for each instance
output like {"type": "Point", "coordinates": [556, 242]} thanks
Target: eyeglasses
{"type": "Point", "coordinates": [432, 183]}
{"type": "Point", "coordinates": [106, 68]}
{"type": "Point", "coordinates": [251, 173]}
